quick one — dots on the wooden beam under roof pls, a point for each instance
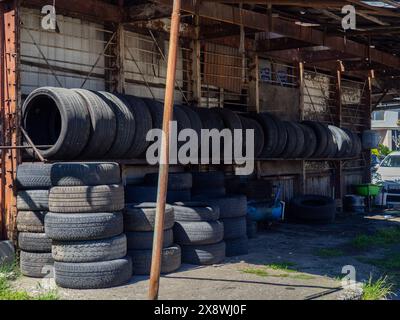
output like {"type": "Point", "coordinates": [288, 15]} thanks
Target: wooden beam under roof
{"type": "Point", "coordinates": [298, 3]}
{"type": "Point", "coordinates": [257, 21]}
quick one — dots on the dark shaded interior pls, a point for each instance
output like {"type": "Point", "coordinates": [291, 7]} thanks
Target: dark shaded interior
{"type": "Point", "coordinates": [43, 121]}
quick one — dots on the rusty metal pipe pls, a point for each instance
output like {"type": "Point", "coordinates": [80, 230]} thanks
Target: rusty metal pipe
{"type": "Point", "coordinates": [164, 156]}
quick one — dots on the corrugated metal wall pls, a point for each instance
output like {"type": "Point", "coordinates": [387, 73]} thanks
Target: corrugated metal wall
{"type": "Point", "coordinates": [144, 63]}
{"type": "Point", "coordinates": [66, 58]}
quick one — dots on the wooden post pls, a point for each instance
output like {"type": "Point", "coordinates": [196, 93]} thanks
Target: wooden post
{"type": "Point", "coordinates": [196, 61]}
{"type": "Point", "coordinates": [164, 157]}
{"type": "Point", "coordinates": [300, 81]}
{"type": "Point", "coordinates": [254, 85]}
{"type": "Point", "coordinates": [120, 48]}
{"type": "Point", "coordinates": [339, 179]}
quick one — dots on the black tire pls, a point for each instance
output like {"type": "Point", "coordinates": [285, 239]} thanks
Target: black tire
{"type": "Point", "coordinates": [171, 260]}
{"type": "Point", "coordinates": [237, 247]}
{"type": "Point", "coordinates": [300, 140]}
{"type": "Point", "coordinates": [343, 142]}
{"type": "Point", "coordinates": [312, 208]}
{"type": "Point", "coordinates": [282, 137]}
{"type": "Point", "coordinates": [34, 242]}
{"type": "Point", "coordinates": [144, 240]}
{"type": "Point", "coordinates": [93, 275]}
{"type": "Point", "coordinates": [251, 124]}
{"type": "Point", "coordinates": [198, 233]}
{"type": "Point", "coordinates": [356, 144]}
{"type": "Point", "coordinates": [126, 127]}
{"type": "Point", "coordinates": [350, 143]}
{"type": "Point", "coordinates": [195, 120]}
{"type": "Point", "coordinates": [331, 149]}
{"type": "Point", "coordinates": [182, 120]}
{"type": "Point", "coordinates": [103, 125]}
{"type": "Point", "coordinates": [208, 254]}
{"type": "Point", "coordinates": [230, 206]}
{"type": "Point", "coordinates": [251, 228]}
{"type": "Point", "coordinates": [270, 129]}
{"type": "Point", "coordinates": [210, 119]}
{"type": "Point", "coordinates": [176, 181]}
{"type": "Point", "coordinates": [291, 143]}
{"type": "Point", "coordinates": [211, 179]}
{"type": "Point", "coordinates": [310, 144]}
{"type": "Point", "coordinates": [36, 265]}
{"type": "Point", "coordinates": [322, 138]}
{"type": "Point", "coordinates": [90, 250]}
{"type": "Point", "coordinates": [83, 226]}
{"type": "Point", "coordinates": [156, 110]}
{"type": "Point", "coordinates": [141, 217]}
{"type": "Point", "coordinates": [56, 117]}
{"type": "Point", "coordinates": [208, 193]}
{"type": "Point", "coordinates": [234, 228]}
{"type": "Point", "coordinates": [31, 221]}
{"type": "Point", "coordinates": [85, 174]}
{"type": "Point", "coordinates": [138, 194]}
{"type": "Point", "coordinates": [231, 120]}
{"type": "Point", "coordinates": [33, 200]}
{"type": "Point", "coordinates": [105, 198]}
{"type": "Point", "coordinates": [32, 176]}
{"type": "Point", "coordinates": [195, 211]}
{"type": "Point", "coordinates": [143, 124]}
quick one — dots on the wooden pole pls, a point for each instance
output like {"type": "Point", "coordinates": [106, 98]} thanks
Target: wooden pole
{"type": "Point", "coordinates": [164, 157]}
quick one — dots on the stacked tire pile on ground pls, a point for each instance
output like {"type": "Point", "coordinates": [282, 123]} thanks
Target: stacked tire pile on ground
{"type": "Point", "coordinates": [139, 221]}
{"type": "Point", "coordinates": [199, 232]}
{"type": "Point", "coordinates": [210, 188]}
{"type": "Point", "coordinates": [179, 188]}
{"type": "Point", "coordinates": [85, 224]}
{"type": "Point", "coordinates": [33, 182]}
{"type": "Point", "coordinates": [80, 124]}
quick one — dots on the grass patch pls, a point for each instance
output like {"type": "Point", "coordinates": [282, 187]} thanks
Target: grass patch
{"type": "Point", "coordinates": [390, 263]}
{"type": "Point", "coordinates": [289, 273]}
{"type": "Point", "coordinates": [382, 237]}
{"type": "Point", "coordinates": [282, 266]}
{"type": "Point", "coordinates": [329, 253]}
{"type": "Point", "coordinates": [377, 290]}
{"type": "Point", "coordinates": [257, 272]}
{"type": "Point", "coordinates": [9, 273]}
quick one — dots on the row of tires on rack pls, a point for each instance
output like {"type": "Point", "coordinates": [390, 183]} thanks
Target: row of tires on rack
{"type": "Point", "coordinates": [73, 219]}
{"type": "Point", "coordinates": [81, 124]}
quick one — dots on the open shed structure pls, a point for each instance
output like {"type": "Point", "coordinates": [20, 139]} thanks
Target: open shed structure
{"type": "Point", "coordinates": [290, 58]}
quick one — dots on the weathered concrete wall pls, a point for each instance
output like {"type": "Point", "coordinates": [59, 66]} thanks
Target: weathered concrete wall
{"type": "Point", "coordinates": [281, 101]}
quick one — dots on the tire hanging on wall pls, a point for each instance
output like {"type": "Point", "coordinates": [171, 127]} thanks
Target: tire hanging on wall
{"type": "Point", "coordinates": [103, 125]}
{"type": "Point", "coordinates": [56, 117]}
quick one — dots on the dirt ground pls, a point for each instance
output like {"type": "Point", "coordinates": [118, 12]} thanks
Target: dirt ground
{"type": "Point", "coordinates": [259, 275]}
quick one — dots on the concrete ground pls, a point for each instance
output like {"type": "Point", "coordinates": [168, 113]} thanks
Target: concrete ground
{"type": "Point", "coordinates": [257, 275]}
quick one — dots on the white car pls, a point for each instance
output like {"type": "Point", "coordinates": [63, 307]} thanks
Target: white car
{"type": "Point", "coordinates": [388, 174]}
{"type": "Point", "coordinates": [389, 168]}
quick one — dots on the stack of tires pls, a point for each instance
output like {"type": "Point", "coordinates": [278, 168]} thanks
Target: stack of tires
{"type": "Point", "coordinates": [233, 211]}
{"type": "Point", "coordinates": [33, 183]}
{"type": "Point", "coordinates": [208, 184]}
{"type": "Point", "coordinates": [139, 221]}
{"type": "Point", "coordinates": [312, 209]}
{"type": "Point", "coordinates": [85, 224]}
{"type": "Point", "coordinates": [199, 233]}
{"type": "Point", "coordinates": [179, 189]}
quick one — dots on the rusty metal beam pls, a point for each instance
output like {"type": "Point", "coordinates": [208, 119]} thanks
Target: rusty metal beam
{"type": "Point", "coordinates": [261, 22]}
{"type": "Point", "coordinates": [298, 3]}
{"type": "Point", "coordinates": [94, 9]}
{"type": "Point", "coordinates": [10, 115]}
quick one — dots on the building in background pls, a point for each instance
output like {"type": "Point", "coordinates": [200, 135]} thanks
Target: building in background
{"type": "Point", "coordinates": [387, 124]}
